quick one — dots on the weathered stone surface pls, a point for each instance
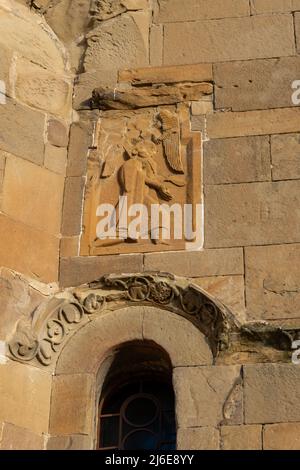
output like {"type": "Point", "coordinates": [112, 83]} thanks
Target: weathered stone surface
{"type": "Point", "coordinates": [16, 438]}
{"type": "Point", "coordinates": [78, 270]}
{"type": "Point", "coordinates": [24, 388]}
{"type": "Point", "coordinates": [241, 437]}
{"type": "Point", "coordinates": [201, 393]}
{"type": "Point", "coordinates": [272, 281]}
{"type": "Point", "coordinates": [285, 151]}
{"type": "Point", "coordinates": [203, 106]}
{"type": "Point", "coordinates": [68, 18]}
{"type": "Point", "coordinates": [173, 74]}
{"type": "Point", "coordinates": [271, 36]}
{"type": "Point", "coordinates": [227, 289]}
{"type": "Point", "coordinates": [69, 246]}
{"type": "Point", "coordinates": [5, 65]}
{"type": "Point", "coordinates": [57, 133]}
{"type": "Point", "coordinates": [40, 89]}
{"type": "Point", "coordinates": [72, 209]}
{"type": "Point", "coordinates": [22, 131]}
{"type": "Point", "coordinates": [252, 214]}
{"type": "Point", "coordinates": [271, 121]}
{"type": "Point", "coordinates": [76, 393]}
{"type": "Point", "coordinates": [42, 209]}
{"type": "Point", "coordinates": [156, 45]}
{"type": "Point", "coordinates": [272, 393]}
{"type": "Point", "coordinates": [190, 10]}
{"type": "Point", "coordinates": [237, 160]}
{"type": "Point", "coordinates": [75, 442]}
{"type": "Point", "coordinates": [81, 138]}
{"type": "Point", "coordinates": [258, 84]}
{"type": "Point", "coordinates": [56, 159]}
{"type": "Point", "coordinates": [285, 436]}
{"type": "Point", "coordinates": [197, 264]}
{"type": "Point", "coordinates": [273, 6]}
{"type": "Point", "coordinates": [29, 251]}
{"type": "Point", "coordinates": [297, 30]}
{"type": "Point", "coordinates": [206, 438]}
{"type": "Point", "coordinates": [171, 332]}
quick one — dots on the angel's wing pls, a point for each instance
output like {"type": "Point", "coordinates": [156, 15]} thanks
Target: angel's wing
{"type": "Point", "coordinates": [173, 152]}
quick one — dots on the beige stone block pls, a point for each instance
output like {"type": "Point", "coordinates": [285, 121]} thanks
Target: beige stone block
{"type": "Point", "coordinates": [79, 270]}
{"type": "Point", "coordinates": [33, 195]}
{"type": "Point", "coordinates": [156, 45]}
{"type": "Point", "coordinates": [22, 131]}
{"type": "Point", "coordinates": [191, 10]}
{"type": "Point", "coordinates": [56, 159]}
{"type": "Point", "coordinates": [202, 107]}
{"type": "Point", "coordinates": [252, 214]}
{"type": "Point", "coordinates": [184, 343]}
{"type": "Point", "coordinates": [5, 65]}
{"type": "Point", "coordinates": [75, 442]}
{"type": "Point", "coordinates": [270, 121]}
{"type": "Point", "coordinates": [285, 436]}
{"type": "Point", "coordinates": [95, 343]}
{"type": "Point", "coordinates": [81, 139]}
{"type": "Point", "coordinates": [25, 396]}
{"type": "Point", "coordinates": [72, 404]}
{"type": "Point", "coordinates": [237, 160]}
{"type": "Point", "coordinates": [297, 30]}
{"type": "Point", "coordinates": [72, 209]}
{"type": "Point", "coordinates": [241, 38]}
{"type": "Point", "coordinates": [68, 20]}
{"type": "Point", "coordinates": [258, 84]}
{"type": "Point", "coordinates": [201, 394]}
{"type": "Point", "coordinates": [241, 437]}
{"type": "Point", "coordinates": [273, 281]}
{"type": "Point", "coordinates": [40, 89]}
{"type": "Point", "coordinates": [135, 4]}
{"type": "Point", "coordinates": [285, 151]}
{"type": "Point", "coordinates": [206, 438]}
{"type": "Point", "coordinates": [197, 264]}
{"type": "Point", "coordinates": [272, 6]}
{"type": "Point", "coordinates": [271, 393]}
{"type": "Point", "coordinates": [229, 290]}
{"type": "Point", "coordinates": [29, 251]}
{"type": "Point", "coordinates": [57, 133]}
{"type": "Point", "coordinates": [69, 246]}
{"type": "Point", "coordinates": [16, 438]}
{"type": "Point", "coordinates": [198, 123]}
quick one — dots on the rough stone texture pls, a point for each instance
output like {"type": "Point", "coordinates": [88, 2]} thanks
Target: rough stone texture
{"type": "Point", "coordinates": [259, 84]}
{"type": "Point", "coordinates": [237, 160]}
{"type": "Point", "coordinates": [171, 332]}
{"type": "Point", "coordinates": [72, 209]}
{"type": "Point", "coordinates": [81, 138]}
{"type": "Point", "coordinates": [297, 30]}
{"type": "Point", "coordinates": [241, 437]}
{"type": "Point", "coordinates": [282, 436]}
{"type": "Point", "coordinates": [156, 45]}
{"type": "Point", "coordinates": [75, 442]}
{"type": "Point", "coordinates": [57, 133]}
{"type": "Point", "coordinates": [78, 270]}
{"type": "Point", "coordinates": [16, 438]}
{"type": "Point", "coordinates": [241, 38]}
{"type": "Point", "coordinates": [285, 156]}
{"type": "Point", "coordinates": [272, 121]}
{"type": "Point", "coordinates": [23, 248]}
{"type": "Point", "coordinates": [24, 388]}
{"type": "Point", "coordinates": [272, 6]}
{"type": "Point", "coordinates": [272, 289]}
{"type": "Point", "coordinates": [252, 214]}
{"type": "Point", "coordinates": [206, 438]}
{"type": "Point", "coordinates": [76, 392]}
{"type": "Point", "coordinates": [22, 131]}
{"type": "Point", "coordinates": [56, 159]}
{"type": "Point", "coordinates": [227, 289]}
{"type": "Point", "coordinates": [69, 246]}
{"type": "Point", "coordinates": [42, 209]}
{"type": "Point", "coordinates": [201, 393]}
{"type": "Point", "coordinates": [190, 10]}
{"type": "Point", "coordinates": [197, 264]}
{"type": "Point", "coordinates": [281, 382]}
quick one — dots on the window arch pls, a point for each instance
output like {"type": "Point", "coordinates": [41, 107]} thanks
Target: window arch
{"type": "Point", "coordinates": [137, 405]}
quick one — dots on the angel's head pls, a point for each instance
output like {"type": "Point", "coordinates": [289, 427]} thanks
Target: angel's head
{"type": "Point", "coordinates": [144, 150]}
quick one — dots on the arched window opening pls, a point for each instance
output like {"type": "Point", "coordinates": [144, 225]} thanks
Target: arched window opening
{"type": "Point", "coordinates": [136, 409]}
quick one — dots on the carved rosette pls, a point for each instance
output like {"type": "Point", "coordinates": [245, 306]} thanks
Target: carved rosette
{"type": "Point", "coordinates": [43, 340]}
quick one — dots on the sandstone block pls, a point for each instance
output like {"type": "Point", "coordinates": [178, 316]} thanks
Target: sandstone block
{"type": "Point", "coordinates": [23, 389]}
{"type": "Point", "coordinates": [78, 270]}
{"type": "Point", "coordinates": [22, 131]}
{"type": "Point", "coordinates": [285, 436]}
{"type": "Point", "coordinates": [206, 438]}
{"type": "Point", "coordinates": [271, 36]}
{"type": "Point", "coordinates": [238, 160]}
{"type": "Point", "coordinates": [285, 151]}
{"type": "Point", "coordinates": [259, 84]}
{"type": "Point", "coordinates": [76, 393]}
{"type": "Point", "coordinates": [272, 281]}
{"type": "Point", "coordinates": [75, 442]}
{"type": "Point", "coordinates": [241, 437]}
{"type": "Point", "coordinates": [71, 221]}
{"type": "Point", "coordinates": [81, 138]}
{"type": "Point", "coordinates": [16, 438]}
{"type": "Point", "coordinates": [270, 121]}
{"type": "Point", "coordinates": [201, 393]}
{"type": "Point", "coordinates": [197, 264]}
{"type": "Point", "coordinates": [273, 6]}
{"type": "Point", "coordinates": [55, 159]}
{"type": "Point", "coordinates": [272, 393]}
{"type": "Point", "coordinates": [252, 214]}
{"type": "Point", "coordinates": [156, 45]}
{"type": "Point", "coordinates": [33, 195]}
{"type": "Point", "coordinates": [69, 246]}
{"type": "Point", "coordinates": [57, 133]}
